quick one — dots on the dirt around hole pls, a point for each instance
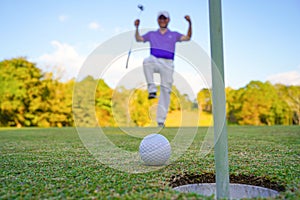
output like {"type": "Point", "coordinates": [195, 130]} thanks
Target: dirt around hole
{"type": "Point", "coordinates": [184, 179]}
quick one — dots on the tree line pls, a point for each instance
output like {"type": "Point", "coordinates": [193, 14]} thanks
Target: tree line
{"type": "Point", "coordinates": [30, 97]}
{"type": "Point", "coordinates": [258, 103]}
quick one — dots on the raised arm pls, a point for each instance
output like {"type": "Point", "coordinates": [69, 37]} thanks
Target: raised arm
{"type": "Point", "coordinates": [138, 37]}
{"type": "Point", "coordinates": [188, 36]}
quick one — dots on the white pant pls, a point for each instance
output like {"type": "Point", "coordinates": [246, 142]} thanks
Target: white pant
{"type": "Point", "coordinates": [165, 68]}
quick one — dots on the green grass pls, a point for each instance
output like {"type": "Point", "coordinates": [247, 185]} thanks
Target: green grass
{"type": "Point", "coordinates": [53, 163]}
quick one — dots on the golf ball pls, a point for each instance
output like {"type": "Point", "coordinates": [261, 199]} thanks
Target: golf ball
{"type": "Point", "coordinates": [155, 149]}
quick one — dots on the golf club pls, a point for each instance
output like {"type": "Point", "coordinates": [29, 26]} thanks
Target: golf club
{"type": "Point", "coordinates": [141, 7]}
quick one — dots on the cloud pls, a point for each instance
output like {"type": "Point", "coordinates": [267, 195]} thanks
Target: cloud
{"type": "Point", "coordinates": [63, 18]}
{"type": "Point", "coordinates": [286, 78]}
{"type": "Point", "coordinates": [64, 61]}
{"type": "Point", "coordinates": [94, 25]}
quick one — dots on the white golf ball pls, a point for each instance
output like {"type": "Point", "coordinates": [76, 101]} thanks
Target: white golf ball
{"type": "Point", "coordinates": [155, 149]}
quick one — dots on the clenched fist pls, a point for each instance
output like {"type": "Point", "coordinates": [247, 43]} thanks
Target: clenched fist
{"type": "Point", "coordinates": [187, 17]}
{"type": "Point", "coordinates": [137, 23]}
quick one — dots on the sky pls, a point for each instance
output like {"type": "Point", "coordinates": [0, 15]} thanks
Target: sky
{"type": "Point", "coordinates": [261, 37]}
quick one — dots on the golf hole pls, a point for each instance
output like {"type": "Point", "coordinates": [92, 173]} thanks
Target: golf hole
{"type": "Point", "coordinates": [241, 186]}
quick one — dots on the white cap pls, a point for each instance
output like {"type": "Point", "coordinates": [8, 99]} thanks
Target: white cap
{"type": "Point", "coordinates": [163, 13]}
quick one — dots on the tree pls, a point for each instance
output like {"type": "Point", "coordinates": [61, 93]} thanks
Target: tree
{"type": "Point", "coordinates": [84, 102]}
{"type": "Point", "coordinates": [103, 102]}
{"type": "Point", "coordinates": [55, 103]}
{"type": "Point", "coordinates": [92, 104]}
{"type": "Point", "coordinates": [291, 95]}
{"type": "Point", "coordinates": [120, 108]}
{"type": "Point", "coordinates": [257, 104]}
{"type": "Point", "coordinates": [139, 108]}
{"type": "Point", "coordinates": [204, 98]}
{"type": "Point", "coordinates": [176, 102]}
{"type": "Point", "coordinates": [233, 105]}
{"type": "Point", "coordinates": [19, 80]}
{"type": "Point", "coordinates": [30, 98]}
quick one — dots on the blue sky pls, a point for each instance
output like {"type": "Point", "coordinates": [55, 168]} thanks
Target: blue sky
{"type": "Point", "coordinates": [261, 37]}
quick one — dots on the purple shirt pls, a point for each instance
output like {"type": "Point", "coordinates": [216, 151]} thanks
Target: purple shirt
{"type": "Point", "coordinates": [162, 45]}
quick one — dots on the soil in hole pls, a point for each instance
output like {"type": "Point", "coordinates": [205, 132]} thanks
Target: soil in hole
{"type": "Point", "coordinates": [184, 179]}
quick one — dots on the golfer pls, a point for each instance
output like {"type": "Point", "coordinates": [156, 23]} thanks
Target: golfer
{"type": "Point", "coordinates": [162, 50]}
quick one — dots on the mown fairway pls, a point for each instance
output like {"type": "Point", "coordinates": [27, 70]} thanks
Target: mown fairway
{"type": "Point", "coordinates": [53, 163]}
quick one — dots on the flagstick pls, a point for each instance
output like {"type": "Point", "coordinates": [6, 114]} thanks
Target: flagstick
{"type": "Point", "coordinates": [219, 106]}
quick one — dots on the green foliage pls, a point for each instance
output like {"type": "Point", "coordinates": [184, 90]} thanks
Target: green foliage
{"type": "Point", "coordinates": [132, 107]}
{"type": "Point", "coordinates": [180, 101]}
{"type": "Point", "coordinates": [84, 102]}
{"type": "Point", "coordinates": [55, 104]}
{"type": "Point", "coordinates": [139, 107]}
{"type": "Point", "coordinates": [291, 95]}
{"type": "Point", "coordinates": [257, 104]}
{"type": "Point", "coordinates": [103, 97]}
{"type": "Point", "coordinates": [204, 99]}
{"type": "Point", "coordinates": [120, 99]}
{"type": "Point", "coordinates": [29, 97]}
{"type": "Point", "coordinates": [18, 80]}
